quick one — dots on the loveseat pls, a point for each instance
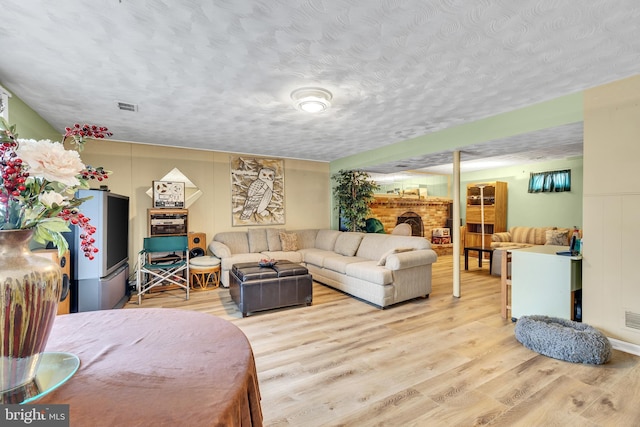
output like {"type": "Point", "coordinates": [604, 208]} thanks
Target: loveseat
{"type": "Point", "coordinates": [529, 236]}
{"type": "Point", "coordinates": [524, 237]}
{"type": "Point", "coordinates": [382, 269]}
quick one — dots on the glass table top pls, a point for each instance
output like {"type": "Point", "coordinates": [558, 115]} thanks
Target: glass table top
{"type": "Point", "coordinates": [55, 369]}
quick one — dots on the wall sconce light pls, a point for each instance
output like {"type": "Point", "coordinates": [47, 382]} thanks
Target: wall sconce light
{"type": "Point", "coordinates": [311, 99]}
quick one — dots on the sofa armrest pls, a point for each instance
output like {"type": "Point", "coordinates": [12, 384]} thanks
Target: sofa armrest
{"type": "Point", "coordinates": [504, 236]}
{"type": "Point", "coordinates": [219, 249]}
{"type": "Point", "coordinates": [410, 259]}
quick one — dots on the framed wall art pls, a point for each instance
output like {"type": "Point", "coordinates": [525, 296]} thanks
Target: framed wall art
{"type": "Point", "coordinates": [168, 194]}
{"type": "Point", "coordinates": [257, 191]}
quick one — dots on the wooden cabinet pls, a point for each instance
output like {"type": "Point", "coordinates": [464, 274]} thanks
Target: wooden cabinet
{"type": "Point", "coordinates": [492, 199]}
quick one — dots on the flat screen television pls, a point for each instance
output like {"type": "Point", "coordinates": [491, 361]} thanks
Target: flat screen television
{"type": "Point", "coordinates": [109, 213]}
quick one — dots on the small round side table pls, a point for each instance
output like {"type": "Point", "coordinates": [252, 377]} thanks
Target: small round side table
{"type": "Point", "coordinates": [204, 269]}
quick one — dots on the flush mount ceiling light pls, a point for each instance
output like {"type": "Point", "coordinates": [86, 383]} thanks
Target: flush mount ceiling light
{"type": "Point", "coordinates": [311, 99]}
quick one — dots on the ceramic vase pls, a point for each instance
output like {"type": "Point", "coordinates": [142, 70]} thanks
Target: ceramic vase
{"type": "Point", "coordinates": [30, 288]}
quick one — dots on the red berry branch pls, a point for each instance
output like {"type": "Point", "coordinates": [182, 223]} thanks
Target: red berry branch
{"type": "Point", "coordinates": [13, 178]}
{"type": "Point", "coordinates": [80, 132]}
{"type": "Point", "coordinates": [75, 217]}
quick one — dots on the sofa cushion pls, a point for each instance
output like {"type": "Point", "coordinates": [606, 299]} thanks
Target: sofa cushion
{"type": "Point", "coordinates": [557, 237]}
{"type": "Point", "coordinates": [326, 239]}
{"type": "Point", "coordinates": [304, 252]}
{"type": "Point", "coordinates": [370, 272]}
{"type": "Point", "coordinates": [317, 257]}
{"type": "Point", "coordinates": [237, 241]}
{"type": "Point", "coordinates": [522, 234]}
{"type": "Point", "coordinates": [289, 241]}
{"type": "Point", "coordinates": [257, 240]}
{"type": "Point", "coordinates": [347, 243]}
{"type": "Point", "coordinates": [503, 236]}
{"type": "Point", "coordinates": [307, 238]}
{"type": "Point", "coordinates": [273, 239]}
{"type": "Point", "coordinates": [339, 263]}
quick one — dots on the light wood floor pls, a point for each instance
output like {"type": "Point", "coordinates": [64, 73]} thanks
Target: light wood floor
{"type": "Point", "coordinates": [441, 361]}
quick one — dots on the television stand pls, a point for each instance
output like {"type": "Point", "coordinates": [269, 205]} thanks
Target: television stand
{"type": "Point", "coordinates": [103, 293]}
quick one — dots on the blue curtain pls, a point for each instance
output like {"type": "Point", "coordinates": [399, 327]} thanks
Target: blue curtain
{"type": "Point", "coordinates": [547, 182]}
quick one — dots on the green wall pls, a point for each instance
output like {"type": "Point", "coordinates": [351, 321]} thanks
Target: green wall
{"type": "Point", "coordinates": [435, 184]}
{"type": "Point", "coordinates": [29, 125]}
{"type": "Point", "coordinates": [540, 209]}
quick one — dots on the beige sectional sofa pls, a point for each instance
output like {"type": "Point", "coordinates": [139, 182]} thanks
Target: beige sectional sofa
{"type": "Point", "coordinates": [382, 269]}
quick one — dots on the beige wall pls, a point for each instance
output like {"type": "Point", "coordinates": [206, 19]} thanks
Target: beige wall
{"type": "Point", "coordinates": [611, 208]}
{"type": "Point", "coordinates": [135, 166]}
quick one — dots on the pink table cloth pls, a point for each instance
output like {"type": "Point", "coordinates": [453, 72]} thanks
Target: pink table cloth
{"type": "Point", "coordinates": [156, 367]}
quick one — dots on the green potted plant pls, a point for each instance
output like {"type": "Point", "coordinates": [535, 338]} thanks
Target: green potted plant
{"type": "Point", "coordinates": [354, 191]}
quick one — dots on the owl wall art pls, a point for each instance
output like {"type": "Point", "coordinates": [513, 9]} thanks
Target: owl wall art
{"type": "Point", "coordinates": [257, 191]}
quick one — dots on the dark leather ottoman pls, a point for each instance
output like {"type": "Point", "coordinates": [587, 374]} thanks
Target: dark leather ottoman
{"type": "Point", "coordinates": [254, 288]}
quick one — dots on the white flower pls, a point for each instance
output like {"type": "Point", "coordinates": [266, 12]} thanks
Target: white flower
{"type": "Point", "coordinates": [49, 160]}
{"type": "Point", "coordinates": [51, 197]}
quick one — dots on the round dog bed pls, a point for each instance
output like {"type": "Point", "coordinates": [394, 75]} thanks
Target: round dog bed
{"type": "Point", "coordinates": [563, 339]}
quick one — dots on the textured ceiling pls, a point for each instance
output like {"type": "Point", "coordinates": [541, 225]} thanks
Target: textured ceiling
{"type": "Point", "coordinates": [218, 74]}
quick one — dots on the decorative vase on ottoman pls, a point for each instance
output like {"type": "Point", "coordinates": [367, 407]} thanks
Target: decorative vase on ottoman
{"type": "Point", "coordinates": [30, 288]}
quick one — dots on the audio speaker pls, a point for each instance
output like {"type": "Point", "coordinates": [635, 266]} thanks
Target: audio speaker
{"type": "Point", "coordinates": [64, 307]}
{"type": "Point", "coordinates": [197, 244]}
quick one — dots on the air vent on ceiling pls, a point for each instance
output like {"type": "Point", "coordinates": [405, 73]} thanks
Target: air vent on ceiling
{"type": "Point", "coordinates": [125, 106]}
{"type": "Point", "coordinates": [632, 320]}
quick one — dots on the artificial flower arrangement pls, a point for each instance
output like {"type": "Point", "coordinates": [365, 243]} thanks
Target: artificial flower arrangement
{"type": "Point", "coordinates": [39, 183]}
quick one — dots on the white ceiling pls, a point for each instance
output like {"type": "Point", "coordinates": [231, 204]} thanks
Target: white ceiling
{"type": "Point", "coordinates": [218, 75]}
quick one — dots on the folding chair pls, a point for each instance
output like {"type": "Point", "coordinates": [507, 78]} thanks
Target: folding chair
{"type": "Point", "coordinates": [163, 260]}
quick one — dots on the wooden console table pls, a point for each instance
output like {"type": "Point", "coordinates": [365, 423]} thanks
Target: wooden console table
{"type": "Point", "coordinates": [153, 367]}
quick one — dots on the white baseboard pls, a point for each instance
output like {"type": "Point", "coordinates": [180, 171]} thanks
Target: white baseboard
{"type": "Point", "coordinates": [625, 346]}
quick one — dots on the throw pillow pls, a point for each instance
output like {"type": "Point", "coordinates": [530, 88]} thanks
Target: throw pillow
{"type": "Point", "coordinates": [557, 237]}
{"type": "Point", "coordinates": [383, 258]}
{"type": "Point", "coordinates": [289, 241]}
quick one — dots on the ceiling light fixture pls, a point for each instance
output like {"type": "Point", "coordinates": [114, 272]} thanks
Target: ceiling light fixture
{"type": "Point", "coordinates": [311, 99]}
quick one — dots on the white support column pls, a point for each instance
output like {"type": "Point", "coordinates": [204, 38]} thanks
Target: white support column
{"type": "Point", "coordinates": [456, 224]}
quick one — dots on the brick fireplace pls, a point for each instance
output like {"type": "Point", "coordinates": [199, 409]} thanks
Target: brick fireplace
{"type": "Point", "coordinates": [433, 211]}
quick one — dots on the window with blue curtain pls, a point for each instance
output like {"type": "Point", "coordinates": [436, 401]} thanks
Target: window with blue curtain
{"type": "Point", "coordinates": [550, 182]}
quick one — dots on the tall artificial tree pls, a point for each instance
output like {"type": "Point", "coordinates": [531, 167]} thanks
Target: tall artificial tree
{"type": "Point", "coordinates": [354, 191]}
